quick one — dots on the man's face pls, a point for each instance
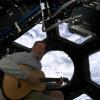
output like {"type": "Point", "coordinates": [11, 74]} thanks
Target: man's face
{"type": "Point", "coordinates": [39, 49]}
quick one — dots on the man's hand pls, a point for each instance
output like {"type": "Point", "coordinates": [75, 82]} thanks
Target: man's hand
{"type": "Point", "coordinates": [59, 82]}
{"type": "Point", "coordinates": [33, 79]}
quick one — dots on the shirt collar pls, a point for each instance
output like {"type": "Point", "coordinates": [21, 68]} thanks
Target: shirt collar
{"type": "Point", "coordinates": [33, 53]}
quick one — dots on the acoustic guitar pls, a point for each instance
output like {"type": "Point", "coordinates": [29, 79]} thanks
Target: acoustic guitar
{"type": "Point", "coordinates": [16, 89]}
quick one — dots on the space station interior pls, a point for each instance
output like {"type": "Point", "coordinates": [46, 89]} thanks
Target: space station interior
{"type": "Point", "coordinates": [71, 26]}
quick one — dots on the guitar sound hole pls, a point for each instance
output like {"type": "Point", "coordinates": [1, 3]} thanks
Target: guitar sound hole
{"type": "Point", "coordinates": [19, 84]}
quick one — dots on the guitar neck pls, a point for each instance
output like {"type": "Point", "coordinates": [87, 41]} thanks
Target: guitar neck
{"type": "Point", "coordinates": [53, 79]}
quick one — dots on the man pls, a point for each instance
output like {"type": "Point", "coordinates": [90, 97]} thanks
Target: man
{"type": "Point", "coordinates": [9, 65]}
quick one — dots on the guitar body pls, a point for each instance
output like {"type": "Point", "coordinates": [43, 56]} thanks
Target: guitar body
{"type": "Point", "coordinates": [16, 89]}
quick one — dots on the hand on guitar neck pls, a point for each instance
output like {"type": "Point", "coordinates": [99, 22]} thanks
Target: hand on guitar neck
{"type": "Point", "coordinates": [35, 79]}
{"type": "Point", "coordinates": [59, 82]}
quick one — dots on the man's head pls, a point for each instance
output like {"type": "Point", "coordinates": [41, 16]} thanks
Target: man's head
{"type": "Point", "coordinates": [39, 48]}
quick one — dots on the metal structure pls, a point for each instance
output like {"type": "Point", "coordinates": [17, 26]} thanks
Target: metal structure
{"type": "Point", "coordinates": [82, 16]}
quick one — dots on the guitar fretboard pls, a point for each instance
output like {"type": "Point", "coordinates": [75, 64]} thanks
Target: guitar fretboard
{"type": "Point", "coordinates": [53, 80]}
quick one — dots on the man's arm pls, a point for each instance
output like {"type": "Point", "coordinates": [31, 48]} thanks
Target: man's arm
{"type": "Point", "coordinates": [11, 67]}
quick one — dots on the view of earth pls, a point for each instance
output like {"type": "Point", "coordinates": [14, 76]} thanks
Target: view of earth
{"type": "Point", "coordinates": [63, 65]}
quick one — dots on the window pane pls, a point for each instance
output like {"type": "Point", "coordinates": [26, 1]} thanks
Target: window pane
{"type": "Point", "coordinates": [57, 64]}
{"type": "Point", "coordinates": [31, 36]}
{"type": "Point", "coordinates": [64, 32]}
{"type": "Point", "coordinates": [83, 97]}
{"type": "Point", "coordinates": [94, 61]}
